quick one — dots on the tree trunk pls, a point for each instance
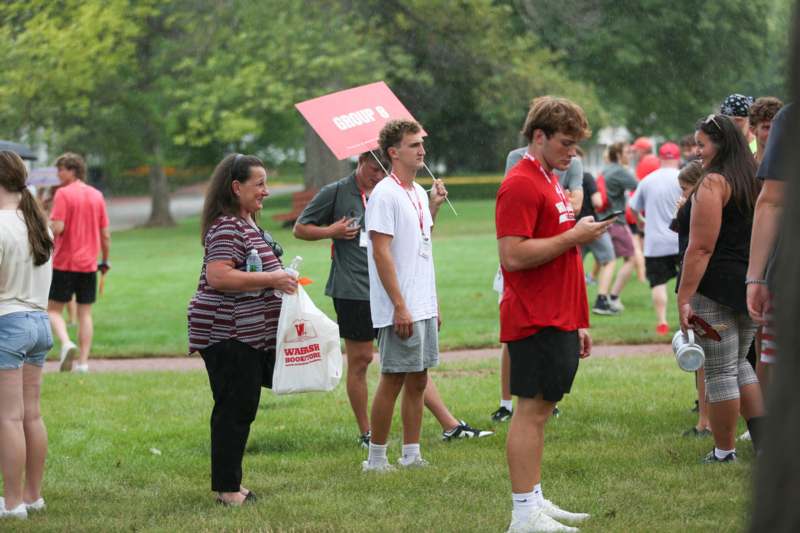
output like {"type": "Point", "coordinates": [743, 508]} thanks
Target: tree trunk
{"type": "Point", "coordinates": [321, 167]}
{"type": "Point", "coordinates": [160, 215]}
{"type": "Point", "coordinates": [777, 474]}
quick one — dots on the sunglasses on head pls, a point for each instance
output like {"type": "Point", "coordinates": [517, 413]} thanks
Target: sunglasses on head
{"type": "Point", "coordinates": [712, 118]}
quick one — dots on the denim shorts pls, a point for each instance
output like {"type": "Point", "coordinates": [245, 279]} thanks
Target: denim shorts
{"type": "Point", "coordinates": [26, 339]}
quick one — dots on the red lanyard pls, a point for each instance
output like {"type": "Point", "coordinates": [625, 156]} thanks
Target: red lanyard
{"type": "Point", "coordinates": [540, 168]}
{"type": "Point", "coordinates": [363, 198]}
{"type": "Point", "coordinates": [417, 206]}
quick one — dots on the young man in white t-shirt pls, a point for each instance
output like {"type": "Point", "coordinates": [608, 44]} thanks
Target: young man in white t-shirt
{"type": "Point", "coordinates": [402, 289]}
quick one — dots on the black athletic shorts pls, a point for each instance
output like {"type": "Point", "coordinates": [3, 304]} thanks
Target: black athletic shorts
{"type": "Point", "coordinates": [660, 270]}
{"type": "Point", "coordinates": [82, 284]}
{"type": "Point", "coordinates": [544, 363]}
{"type": "Point", "coordinates": [355, 319]}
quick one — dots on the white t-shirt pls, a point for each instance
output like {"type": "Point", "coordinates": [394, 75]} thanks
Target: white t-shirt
{"type": "Point", "coordinates": [656, 196]}
{"type": "Point", "coordinates": [23, 286]}
{"type": "Point", "coordinates": [390, 211]}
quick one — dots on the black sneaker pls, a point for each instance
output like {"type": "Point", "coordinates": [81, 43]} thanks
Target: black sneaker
{"type": "Point", "coordinates": [464, 431]}
{"type": "Point", "coordinates": [602, 307]}
{"type": "Point", "coordinates": [695, 408]}
{"type": "Point", "coordinates": [556, 412]}
{"type": "Point", "coordinates": [363, 440]}
{"type": "Point", "coordinates": [711, 458]}
{"type": "Point", "coordinates": [697, 433]}
{"type": "Point", "coordinates": [501, 415]}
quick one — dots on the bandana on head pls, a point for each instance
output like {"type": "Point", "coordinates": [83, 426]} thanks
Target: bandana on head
{"type": "Point", "coordinates": [736, 105]}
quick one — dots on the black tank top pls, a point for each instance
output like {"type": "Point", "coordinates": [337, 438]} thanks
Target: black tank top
{"type": "Point", "coordinates": [724, 278]}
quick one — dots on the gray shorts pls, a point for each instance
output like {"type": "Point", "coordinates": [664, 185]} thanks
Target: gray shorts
{"type": "Point", "coordinates": [417, 353]}
{"type": "Point", "coordinates": [602, 249]}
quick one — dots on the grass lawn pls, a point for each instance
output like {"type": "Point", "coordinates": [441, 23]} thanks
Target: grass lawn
{"type": "Point", "coordinates": [615, 452]}
{"type": "Point", "coordinates": [155, 271]}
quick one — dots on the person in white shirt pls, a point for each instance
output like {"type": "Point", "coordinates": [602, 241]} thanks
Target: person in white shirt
{"type": "Point", "coordinates": [654, 200]}
{"type": "Point", "coordinates": [26, 269]}
{"type": "Point", "coordinates": [402, 291]}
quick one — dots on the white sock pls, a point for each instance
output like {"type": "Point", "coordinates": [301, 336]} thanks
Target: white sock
{"type": "Point", "coordinates": [377, 454]}
{"type": "Point", "coordinates": [524, 504]}
{"type": "Point", "coordinates": [411, 451]}
{"type": "Point", "coordinates": [722, 454]}
{"type": "Point", "coordinates": [508, 404]}
{"type": "Point", "coordinates": [538, 495]}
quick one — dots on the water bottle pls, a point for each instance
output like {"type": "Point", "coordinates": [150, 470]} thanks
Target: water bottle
{"type": "Point", "coordinates": [687, 352]}
{"type": "Point", "coordinates": [293, 269]}
{"type": "Point", "coordinates": [253, 264]}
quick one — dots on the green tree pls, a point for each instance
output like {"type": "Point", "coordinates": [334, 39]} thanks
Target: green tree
{"type": "Point", "coordinates": [474, 75]}
{"type": "Point", "coordinates": [658, 66]}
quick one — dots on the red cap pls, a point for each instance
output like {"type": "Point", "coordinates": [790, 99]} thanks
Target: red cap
{"type": "Point", "coordinates": [643, 144]}
{"type": "Point", "coordinates": [669, 151]}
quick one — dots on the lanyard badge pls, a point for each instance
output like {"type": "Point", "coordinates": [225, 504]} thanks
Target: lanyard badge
{"type": "Point", "coordinates": [425, 248]}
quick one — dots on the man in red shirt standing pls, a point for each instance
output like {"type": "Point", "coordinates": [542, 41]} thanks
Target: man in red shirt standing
{"type": "Point", "coordinates": [544, 311]}
{"type": "Point", "coordinates": [80, 224]}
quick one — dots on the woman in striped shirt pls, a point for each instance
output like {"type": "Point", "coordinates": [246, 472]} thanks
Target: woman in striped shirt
{"type": "Point", "coordinates": [233, 316]}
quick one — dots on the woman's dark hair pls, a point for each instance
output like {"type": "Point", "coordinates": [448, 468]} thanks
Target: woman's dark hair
{"type": "Point", "coordinates": [220, 199]}
{"type": "Point", "coordinates": [12, 178]}
{"type": "Point", "coordinates": [733, 160]}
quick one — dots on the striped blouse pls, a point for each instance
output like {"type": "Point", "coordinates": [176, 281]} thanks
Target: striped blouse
{"type": "Point", "coordinates": [249, 317]}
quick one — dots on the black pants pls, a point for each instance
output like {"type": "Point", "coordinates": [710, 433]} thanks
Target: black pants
{"type": "Point", "coordinates": [235, 373]}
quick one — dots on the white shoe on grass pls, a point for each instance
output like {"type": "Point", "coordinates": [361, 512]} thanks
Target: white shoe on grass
{"type": "Point", "coordinates": [538, 522]}
{"type": "Point", "coordinates": [38, 505]}
{"type": "Point", "coordinates": [81, 368]}
{"type": "Point", "coordinates": [68, 352]}
{"type": "Point", "coordinates": [19, 512]}
{"type": "Point", "coordinates": [415, 462]}
{"type": "Point", "coordinates": [745, 436]}
{"type": "Point", "coordinates": [554, 511]}
{"type": "Point", "coordinates": [380, 468]}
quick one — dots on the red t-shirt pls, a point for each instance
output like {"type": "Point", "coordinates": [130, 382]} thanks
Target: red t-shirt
{"type": "Point", "coordinates": [83, 211]}
{"type": "Point", "coordinates": [550, 295]}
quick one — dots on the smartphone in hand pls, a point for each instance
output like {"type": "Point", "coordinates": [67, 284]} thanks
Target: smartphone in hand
{"type": "Point", "coordinates": [610, 215]}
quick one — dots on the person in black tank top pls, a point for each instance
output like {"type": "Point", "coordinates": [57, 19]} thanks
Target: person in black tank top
{"type": "Point", "coordinates": [714, 231]}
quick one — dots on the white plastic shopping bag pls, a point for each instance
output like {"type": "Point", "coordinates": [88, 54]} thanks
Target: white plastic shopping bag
{"type": "Point", "coordinates": [307, 354]}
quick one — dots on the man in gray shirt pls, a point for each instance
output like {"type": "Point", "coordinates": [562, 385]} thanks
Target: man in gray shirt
{"type": "Point", "coordinates": [337, 213]}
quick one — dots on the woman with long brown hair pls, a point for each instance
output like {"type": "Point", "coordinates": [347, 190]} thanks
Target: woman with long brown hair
{"type": "Point", "coordinates": [26, 269]}
{"type": "Point", "coordinates": [233, 316]}
{"type": "Point", "coordinates": [715, 225]}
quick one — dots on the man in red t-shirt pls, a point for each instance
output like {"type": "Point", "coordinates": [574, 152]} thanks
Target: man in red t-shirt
{"type": "Point", "coordinates": [80, 224]}
{"type": "Point", "coordinates": [544, 311]}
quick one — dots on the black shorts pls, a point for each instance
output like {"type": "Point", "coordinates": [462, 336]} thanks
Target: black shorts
{"type": "Point", "coordinates": [82, 284]}
{"type": "Point", "coordinates": [635, 230]}
{"type": "Point", "coordinates": [544, 363]}
{"type": "Point", "coordinates": [660, 270]}
{"type": "Point", "coordinates": [355, 320]}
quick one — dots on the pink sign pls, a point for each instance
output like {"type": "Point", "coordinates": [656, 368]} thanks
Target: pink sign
{"type": "Point", "coordinates": [349, 121]}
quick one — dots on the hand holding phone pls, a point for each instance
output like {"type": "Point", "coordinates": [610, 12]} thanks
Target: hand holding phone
{"type": "Point", "coordinates": [610, 215]}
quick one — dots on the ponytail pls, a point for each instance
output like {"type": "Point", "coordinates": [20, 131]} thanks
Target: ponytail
{"type": "Point", "coordinates": [41, 243]}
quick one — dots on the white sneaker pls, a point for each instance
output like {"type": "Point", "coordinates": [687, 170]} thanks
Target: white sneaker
{"type": "Point", "coordinates": [19, 512]}
{"type": "Point", "coordinates": [616, 305]}
{"type": "Point", "coordinates": [538, 522]}
{"type": "Point", "coordinates": [380, 468]}
{"type": "Point", "coordinates": [38, 505]}
{"type": "Point", "coordinates": [68, 352]}
{"type": "Point", "coordinates": [554, 511]}
{"type": "Point", "coordinates": [81, 368]}
{"type": "Point", "coordinates": [415, 462]}
{"type": "Point", "coordinates": [745, 436]}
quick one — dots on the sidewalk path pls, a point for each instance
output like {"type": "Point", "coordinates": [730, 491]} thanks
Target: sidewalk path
{"type": "Point", "coordinates": [126, 212]}
{"type": "Point", "coordinates": [185, 364]}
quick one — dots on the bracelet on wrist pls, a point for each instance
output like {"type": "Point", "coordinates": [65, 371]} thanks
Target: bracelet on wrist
{"type": "Point", "coordinates": [755, 281]}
